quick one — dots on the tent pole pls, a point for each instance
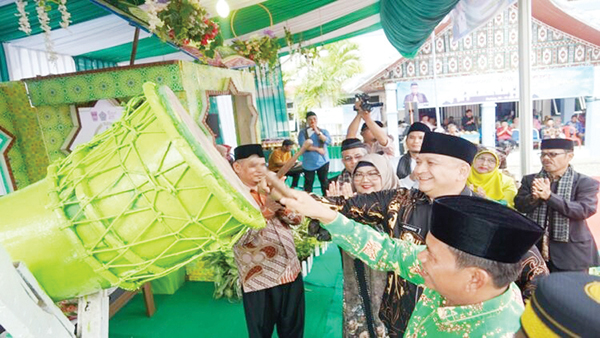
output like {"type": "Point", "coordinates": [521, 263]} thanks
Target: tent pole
{"type": "Point", "coordinates": [437, 109]}
{"type": "Point", "coordinates": [136, 38]}
{"type": "Point", "coordinates": [525, 110]}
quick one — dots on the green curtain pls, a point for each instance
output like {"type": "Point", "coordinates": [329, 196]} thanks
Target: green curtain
{"type": "Point", "coordinates": [82, 64]}
{"type": "Point", "coordinates": [409, 23]}
{"type": "Point", "coordinates": [213, 119]}
{"type": "Point", "coordinates": [271, 105]}
{"type": "Point", "coordinates": [4, 76]}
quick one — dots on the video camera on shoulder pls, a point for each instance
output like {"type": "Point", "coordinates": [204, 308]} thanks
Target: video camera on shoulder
{"type": "Point", "coordinates": [364, 102]}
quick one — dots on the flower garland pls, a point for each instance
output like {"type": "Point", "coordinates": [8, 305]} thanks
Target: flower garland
{"type": "Point", "coordinates": [185, 22]}
{"type": "Point", "coordinates": [153, 20]}
{"type": "Point", "coordinates": [44, 20]}
{"type": "Point", "coordinates": [260, 49]}
{"type": "Point", "coordinates": [65, 16]}
{"type": "Point", "coordinates": [24, 25]}
{"type": "Point", "coordinates": [42, 8]}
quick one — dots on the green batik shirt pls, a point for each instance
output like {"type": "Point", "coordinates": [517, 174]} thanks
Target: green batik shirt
{"type": "Point", "coordinates": [497, 317]}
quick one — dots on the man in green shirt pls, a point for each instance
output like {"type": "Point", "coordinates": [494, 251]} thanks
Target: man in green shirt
{"type": "Point", "coordinates": [471, 258]}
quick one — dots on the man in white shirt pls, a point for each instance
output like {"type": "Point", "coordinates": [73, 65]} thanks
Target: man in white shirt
{"type": "Point", "coordinates": [407, 162]}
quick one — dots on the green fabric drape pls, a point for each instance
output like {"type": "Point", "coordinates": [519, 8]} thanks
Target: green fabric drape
{"type": "Point", "coordinates": [81, 11]}
{"type": "Point", "coordinates": [148, 47]}
{"type": "Point", "coordinates": [254, 17]}
{"type": "Point", "coordinates": [408, 23]}
{"type": "Point", "coordinates": [4, 76]}
{"type": "Point", "coordinates": [334, 25]}
{"type": "Point", "coordinates": [213, 119]}
{"type": "Point", "coordinates": [82, 64]}
{"type": "Point", "coordinates": [271, 105]}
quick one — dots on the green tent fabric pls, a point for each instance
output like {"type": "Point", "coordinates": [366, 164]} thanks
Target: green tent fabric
{"type": "Point", "coordinates": [81, 11]}
{"type": "Point", "coordinates": [253, 18]}
{"type": "Point", "coordinates": [148, 47]}
{"type": "Point", "coordinates": [408, 23]}
{"type": "Point", "coordinates": [83, 64]}
{"type": "Point", "coordinates": [4, 76]}
{"type": "Point", "coordinates": [270, 101]}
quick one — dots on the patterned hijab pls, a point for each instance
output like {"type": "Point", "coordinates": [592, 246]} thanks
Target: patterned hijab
{"type": "Point", "coordinates": [389, 180]}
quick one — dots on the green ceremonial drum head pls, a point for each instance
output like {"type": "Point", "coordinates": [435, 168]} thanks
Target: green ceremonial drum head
{"type": "Point", "coordinates": [140, 200]}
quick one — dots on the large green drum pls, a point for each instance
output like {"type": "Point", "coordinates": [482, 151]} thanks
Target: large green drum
{"type": "Point", "coordinates": [140, 200]}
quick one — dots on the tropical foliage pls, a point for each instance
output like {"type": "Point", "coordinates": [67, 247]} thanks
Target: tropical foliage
{"type": "Point", "coordinates": [323, 76]}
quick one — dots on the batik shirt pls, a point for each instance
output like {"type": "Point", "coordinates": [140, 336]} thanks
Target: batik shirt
{"type": "Point", "coordinates": [497, 317]}
{"type": "Point", "coordinates": [267, 257]}
{"type": "Point", "coordinates": [344, 177]}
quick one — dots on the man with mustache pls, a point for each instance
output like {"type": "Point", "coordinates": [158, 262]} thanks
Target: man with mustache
{"type": "Point", "coordinates": [560, 200]}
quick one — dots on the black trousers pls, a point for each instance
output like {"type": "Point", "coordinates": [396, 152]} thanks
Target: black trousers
{"type": "Point", "coordinates": [309, 178]}
{"type": "Point", "coordinates": [282, 305]}
{"type": "Point", "coordinates": [295, 175]}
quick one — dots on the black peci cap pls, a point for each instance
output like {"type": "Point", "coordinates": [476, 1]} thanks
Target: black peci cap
{"type": "Point", "coordinates": [483, 228]}
{"type": "Point", "coordinates": [442, 144]}
{"type": "Point", "coordinates": [248, 150]}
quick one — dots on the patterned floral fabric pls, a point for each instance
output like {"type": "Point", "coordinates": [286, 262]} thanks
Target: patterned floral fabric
{"type": "Point", "coordinates": [355, 319]}
{"type": "Point", "coordinates": [267, 257]}
{"type": "Point", "coordinates": [402, 214]}
{"type": "Point", "coordinates": [344, 177]}
{"type": "Point", "coordinates": [534, 267]}
{"type": "Point", "coordinates": [497, 317]}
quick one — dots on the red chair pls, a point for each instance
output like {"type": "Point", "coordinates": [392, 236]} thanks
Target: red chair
{"type": "Point", "coordinates": [567, 131]}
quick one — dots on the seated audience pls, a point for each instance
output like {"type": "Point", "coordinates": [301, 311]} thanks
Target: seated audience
{"type": "Point", "coordinates": [280, 156]}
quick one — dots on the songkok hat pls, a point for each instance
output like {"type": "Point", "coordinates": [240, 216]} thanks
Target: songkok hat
{"type": "Point", "coordinates": [483, 228]}
{"type": "Point", "coordinates": [309, 114]}
{"type": "Point", "coordinates": [438, 143]}
{"type": "Point", "coordinates": [557, 143]}
{"type": "Point", "coordinates": [418, 126]}
{"type": "Point", "coordinates": [351, 143]}
{"type": "Point", "coordinates": [364, 126]}
{"type": "Point", "coordinates": [248, 150]}
{"type": "Point", "coordinates": [564, 304]}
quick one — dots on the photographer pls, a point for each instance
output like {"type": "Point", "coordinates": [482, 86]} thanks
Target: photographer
{"type": "Point", "coordinates": [374, 135]}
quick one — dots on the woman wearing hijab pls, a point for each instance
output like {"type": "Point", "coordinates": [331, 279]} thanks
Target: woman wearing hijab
{"type": "Point", "coordinates": [488, 181]}
{"type": "Point", "coordinates": [363, 287]}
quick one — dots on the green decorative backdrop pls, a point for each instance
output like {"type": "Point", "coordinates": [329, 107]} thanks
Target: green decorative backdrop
{"type": "Point", "coordinates": [28, 158]}
{"type": "Point", "coordinates": [56, 125]}
{"type": "Point", "coordinates": [99, 85]}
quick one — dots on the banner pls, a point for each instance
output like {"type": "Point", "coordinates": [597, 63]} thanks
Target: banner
{"type": "Point", "coordinates": [499, 87]}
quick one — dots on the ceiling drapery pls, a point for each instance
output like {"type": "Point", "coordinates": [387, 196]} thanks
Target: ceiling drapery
{"type": "Point", "coordinates": [408, 23]}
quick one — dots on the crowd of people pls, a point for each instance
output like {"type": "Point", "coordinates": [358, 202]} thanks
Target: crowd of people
{"type": "Point", "coordinates": [440, 242]}
{"type": "Point", "coordinates": [550, 128]}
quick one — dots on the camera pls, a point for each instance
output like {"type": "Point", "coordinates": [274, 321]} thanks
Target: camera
{"type": "Point", "coordinates": [364, 102]}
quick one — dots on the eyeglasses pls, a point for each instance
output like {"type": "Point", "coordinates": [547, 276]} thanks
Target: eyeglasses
{"type": "Point", "coordinates": [356, 158]}
{"type": "Point", "coordinates": [551, 154]}
{"type": "Point", "coordinates": [486, 160]}
{"type": "Point", "coordinates": [371, 175]}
